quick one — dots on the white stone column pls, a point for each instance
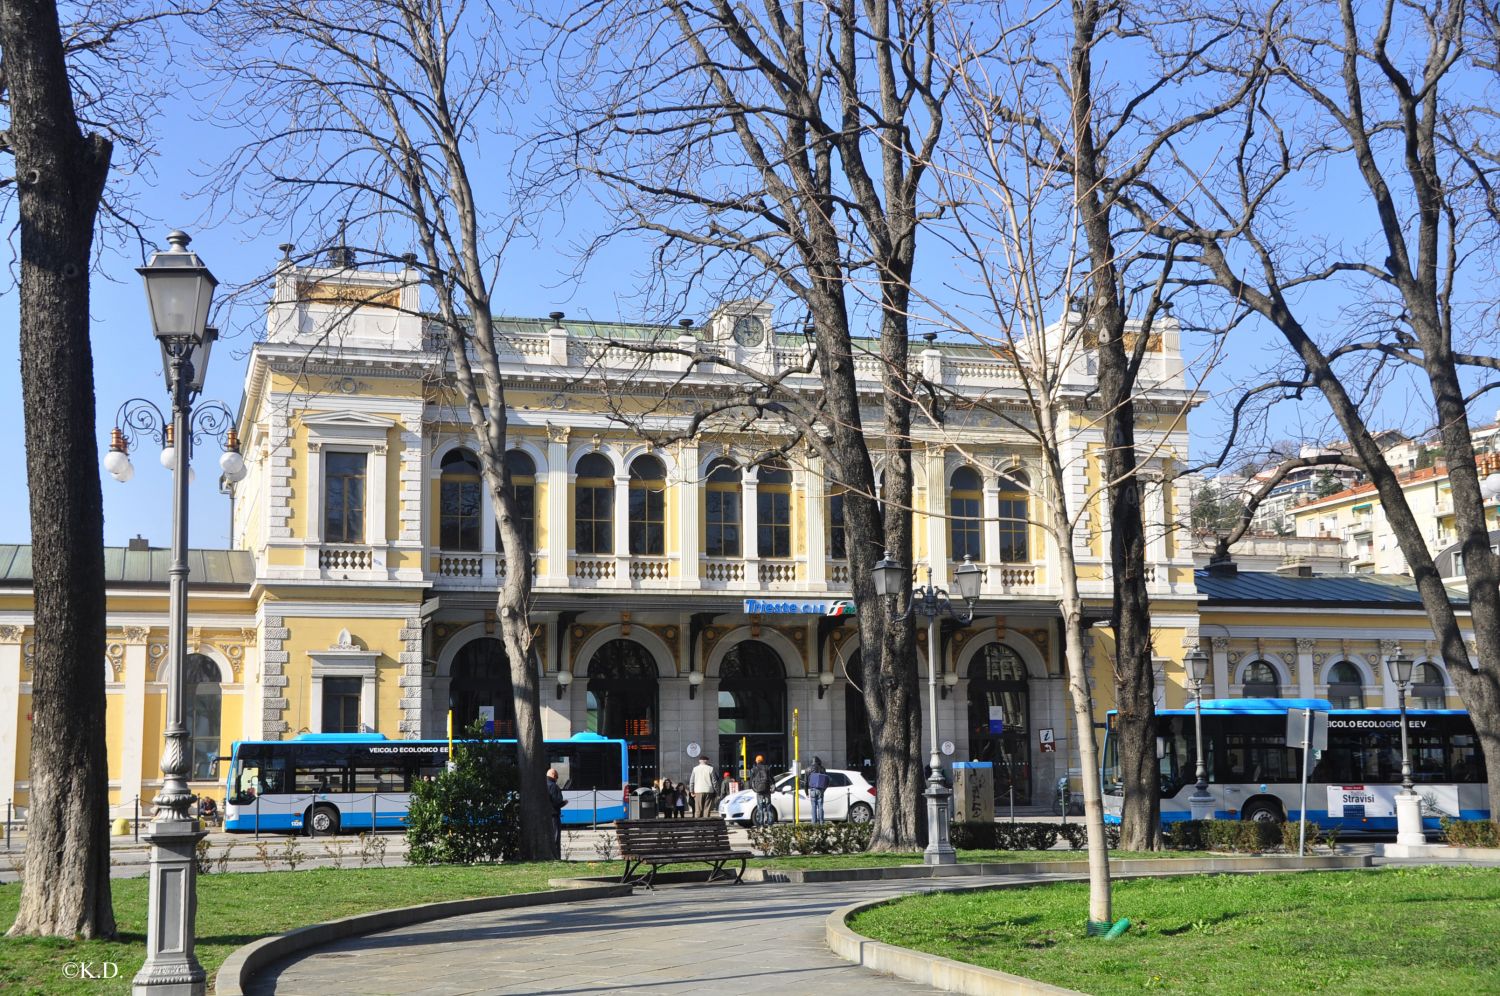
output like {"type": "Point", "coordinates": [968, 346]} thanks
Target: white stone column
{"type": "Point", "coordinates": [10, 709]}
{"type": "Point", "coordinates": [937, 522]}
{"type": "Point", "coordinates": [816, 546]}
{"type": "Point", "coordinates": [991, 528]}
{"type": "Point", "coordinates": [622, 524]}
{"type": "Point", "coordinates": [558, 526]}
{"type": "Point", "coordinates": [1305, 667]}
{"type": "Point", "coordinates": [1221, 667]}
{"type": "Point", "coordinates": [132, 746]}
{"type": "Point", "coordinates": [750, 537]}
{"type": "Point", "coordinates": [689, 512]}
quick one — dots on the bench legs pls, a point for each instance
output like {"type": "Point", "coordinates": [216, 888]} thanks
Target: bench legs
{"type": "Point", "coordinates": [631, 875]}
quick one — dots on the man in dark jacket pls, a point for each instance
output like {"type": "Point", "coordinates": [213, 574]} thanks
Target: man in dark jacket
{"type": "Point", "coordinates": [555, 796]}
{"type": "Point", "coordinates": [760, 784]}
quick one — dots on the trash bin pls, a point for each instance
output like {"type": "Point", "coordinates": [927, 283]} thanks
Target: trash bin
{"type": "Point", "coordinates": [647, 800]}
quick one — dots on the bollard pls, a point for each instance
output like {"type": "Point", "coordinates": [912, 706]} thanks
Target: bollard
{"type": "Point", "coordinates": [7, 824]}
{"type": "Point", "coordinates": [137, 817]}
{"type": "Point", "coordinates": [1013, 804]}
{"type": "Point", "coordinates": [596, 809]}
{"type": "Point", "coordinates": [257, 816]}
{"type": "Point", "coordinates": [373, 797]}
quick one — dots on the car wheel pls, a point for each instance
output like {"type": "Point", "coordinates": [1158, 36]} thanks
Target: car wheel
{"type": "Point", "coordinates": [323, 821]}
{"type": "Point", "coordinates": [861, 813]}
{"type": "Point", "coordinates": [1263, 812]}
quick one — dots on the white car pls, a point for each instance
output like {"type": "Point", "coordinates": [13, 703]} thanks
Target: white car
{"type": "Point", "coordinates": [848, 797]}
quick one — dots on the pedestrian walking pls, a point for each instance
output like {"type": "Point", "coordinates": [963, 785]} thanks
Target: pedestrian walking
{"type": "Point", "coordinates": [817, 784]}
{"type": "Point", "coordinates": [703, 783]}
{"type": "Point", "coordinates": [760, 784]}
{"type": "Point", "coordinates": [555, 796]}
{"type": "Point", "coordinates": [666, 800]}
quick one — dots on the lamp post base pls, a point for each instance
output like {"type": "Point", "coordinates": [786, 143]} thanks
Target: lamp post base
{"type": "Point", "coordinates": [939, 848]}
{"type": "Point", "coordinates": [171, 967]}
{"type": "Point", "coordinates": [1409, 819]}
{"type": "Point", "coordinates": [1201, 807]}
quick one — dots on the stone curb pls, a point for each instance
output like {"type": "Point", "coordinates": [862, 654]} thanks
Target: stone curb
{"type": "Point", "coordinates": [1441, 852]}
{"type": "Point", "coordinates": [960, 977]}
{"type": "Point", "coordinates": [244, 962]}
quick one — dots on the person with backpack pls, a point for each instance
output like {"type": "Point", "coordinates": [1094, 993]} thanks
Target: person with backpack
{"type": "Point", "coordinates": [760, 784]}
{"type": "Point", "coordinates": [817, 784]}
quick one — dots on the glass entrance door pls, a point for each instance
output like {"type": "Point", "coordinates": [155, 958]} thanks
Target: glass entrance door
{"type": "Point", "coordinates": [1000, 720]}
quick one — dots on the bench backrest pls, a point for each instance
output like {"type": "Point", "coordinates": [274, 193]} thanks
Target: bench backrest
{"type": "Point", "coordinates": [671, 836]}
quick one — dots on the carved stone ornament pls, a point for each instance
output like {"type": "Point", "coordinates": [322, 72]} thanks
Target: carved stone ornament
{"type": "Point", "coordinates": [1234, 657]}
{"type": "Point", "coordinates": [115, 654]}
{"type": "Point", "coordinates": [236, 655]}
{"type": "Point", "coordinates": [1305, 646]}
{"type": "Point", "coordinates": [10, 634]}
{"type": "Point", "coordinates": [156, 655]}
{"type": "Point", "coordinates": [1318, 659]}
{"type": "Point", "coordinates": [250, 637]}
{"type": "Point", "coordinates": [1220, 644]}
{"type": "Point", "coordinates": [344, 641]}
{"type": "Point", "coordinates": [136, 635]}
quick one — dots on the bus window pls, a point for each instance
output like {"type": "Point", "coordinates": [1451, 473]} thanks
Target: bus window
{"type": "Point", "coordinates": [1465, 764]}
{"type": "Point", "coordinates": [1114, 784]}
{"type": "Point", "coordinates": [380, 778]}
{"type": "Point", "coordinates": [254, 775]}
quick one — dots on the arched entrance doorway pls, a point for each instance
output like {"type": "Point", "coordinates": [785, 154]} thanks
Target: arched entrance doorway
{"type": "Point", "coordinates": [1000, 719]}
{"type": "Point", "coordinates": [622, 703]}
{"type": "Point", "coordinates": [752, 706]}
{"type": "Point", "coordinates": [481, 686]}
{"type": "Point", "coordinates": [859, 749]}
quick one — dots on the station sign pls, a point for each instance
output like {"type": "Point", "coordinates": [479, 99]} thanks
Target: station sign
{"type": "Point", "coordinates": [799, 607]}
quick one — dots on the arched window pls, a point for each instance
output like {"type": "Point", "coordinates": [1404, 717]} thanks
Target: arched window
{"type": "Point", "coordinates": [481, 687]}
{"type": "Point", "coordinates": [1261, 681]}
{"type": "Point", "coordinates": [722, 510]}
{"type": "Point", "coordinates": [1345, 686]}
{"type": "Point", "coordinates": [1427, 691]}
{"type": "Point", "coordinates": [459, 502]}
{"type": "Point", "coordinates": [594, 516]}
{"type": "Point", "coordinates": [965, 535]}
{"type": "Point", "coordinates": [1000, 719]}
{"type": "Point", "coordinates": [1014, 548]}
{"type": "Point", "coordinates": [520, 478]}
{"type": "Point", "coordinates": [622, 703]}
{"type": "Point", "coordinates": [773, 506]}
{"type": "Point", "coordinates": [752, 703]}
{"type": "Point", "coordinates": [204, 700]}
{"type": "Point", "coordinates": [648, 506]}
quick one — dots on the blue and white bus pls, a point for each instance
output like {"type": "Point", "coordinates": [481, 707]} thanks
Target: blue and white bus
{"type": "Point", "coordinates": [326, 782]}
{"type": "Point", "coordinates": [1352, 786]}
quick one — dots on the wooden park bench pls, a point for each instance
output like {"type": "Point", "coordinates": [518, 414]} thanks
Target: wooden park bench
{"type": "Point", "coordinates": [655, 843]}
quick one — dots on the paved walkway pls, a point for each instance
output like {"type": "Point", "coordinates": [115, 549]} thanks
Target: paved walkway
{"type": "Point", "coordinates": [720, 939]}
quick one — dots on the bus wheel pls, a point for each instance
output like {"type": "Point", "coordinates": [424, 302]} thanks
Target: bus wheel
{"type": "Point", "coordinates": [1262, 811]}
{"type": "Point", "coordinates": [323, 821]}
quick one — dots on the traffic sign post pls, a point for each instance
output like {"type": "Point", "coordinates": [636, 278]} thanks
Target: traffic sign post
{"type": "Point", "coordinates": [1306, 729]}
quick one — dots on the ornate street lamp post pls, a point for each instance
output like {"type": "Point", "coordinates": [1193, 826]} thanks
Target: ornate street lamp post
{"type": "Point", "coordinates": [1200, 803]}
{"type": "Point", "coordinates": [180, 290]}
{"type": "Point", "coordinates": [1408, 803]}
{"type": "Point", "coordinates": [933, 602]}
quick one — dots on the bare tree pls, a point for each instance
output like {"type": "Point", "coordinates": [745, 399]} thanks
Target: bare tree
{"type": "Point", "coordinates": [1386, 98]}
{"type": "Point", "coordinates": [371, 114]}
{"type": "Point", "coordinates": [735, 140]}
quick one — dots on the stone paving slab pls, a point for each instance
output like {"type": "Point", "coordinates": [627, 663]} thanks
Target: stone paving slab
{"type": "Point", "coordinates": [720, 939]}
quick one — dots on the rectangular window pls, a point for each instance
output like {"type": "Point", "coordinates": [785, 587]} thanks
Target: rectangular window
{"type": "Point", "coordinates": [838, 542]}
{"type": "Point", "coordinates": [525, 499]}
{"type": "Point", "coordinates": [341, 705]}
{"type": "Point", "coordinates": [461, 506]}
{"type": "Point", "coordinates": [774, 509]}
{"type": "Point", "coordinates": [1013, 545]}
{"type": "Point", "coordinates": [964, 532]}
{"type": "Point", "coordinates": [723, 509]}
{"type": "Point", "coordinates": [595, 520]}
{"type": "Point", "coordinates": [344, 497]}
{"type": "Point", "coordinates": [648, 521]}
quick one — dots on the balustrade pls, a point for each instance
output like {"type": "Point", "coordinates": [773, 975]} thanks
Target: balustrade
{"type": "Point", "coordinates": [648, 569]}
{"type": "Point", "coordinates": [778, 571]}
{"type": "Point", "coordinates": [346, 558]}
{"type": "Point", "coordinates": [594, 570]}
{"type": "Point", "coordinates": [724, 571]}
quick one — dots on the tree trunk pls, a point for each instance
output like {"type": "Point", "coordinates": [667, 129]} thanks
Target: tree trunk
{"type": "Point", "coordinates": [1130, 613]}
{"type": "Point", "coordinates": [61, 175]}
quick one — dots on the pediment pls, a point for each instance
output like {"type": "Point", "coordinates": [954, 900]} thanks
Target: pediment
{"type": "Point", "coordinates": [347, 420]}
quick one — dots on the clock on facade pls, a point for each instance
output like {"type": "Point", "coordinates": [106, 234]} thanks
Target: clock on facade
{"type": "Point", "coordinates": [748, 330]}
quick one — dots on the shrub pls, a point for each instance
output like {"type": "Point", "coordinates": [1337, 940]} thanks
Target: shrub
{"type": "Point", "coordinates": [469, 813]}
{"type": "Point", "coordinates": [1185, 835]}
{"type": "Point", "coordinates": [1470, 833]}
{"type": "Point", "coordinates": [784, 839]}
{"type": "Point", "coordinates": [1240, 836]}
{"type": "Point", "coordinates": [974, 836]}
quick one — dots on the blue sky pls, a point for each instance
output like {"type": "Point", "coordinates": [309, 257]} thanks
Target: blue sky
{"type": "Point", "coordinates": [534, 281]}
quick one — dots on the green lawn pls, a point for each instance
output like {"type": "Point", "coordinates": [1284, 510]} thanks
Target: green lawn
{"type": "Point", "coordinates": [236, 908]}
{"type": "Point", "coordinates": [1389, 931]}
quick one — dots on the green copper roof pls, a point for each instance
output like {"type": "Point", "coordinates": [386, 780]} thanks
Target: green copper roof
{"type": "Point", "coordinates": [144, 568]}
{"type": "Point", "coordinates": [1330, 591]}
